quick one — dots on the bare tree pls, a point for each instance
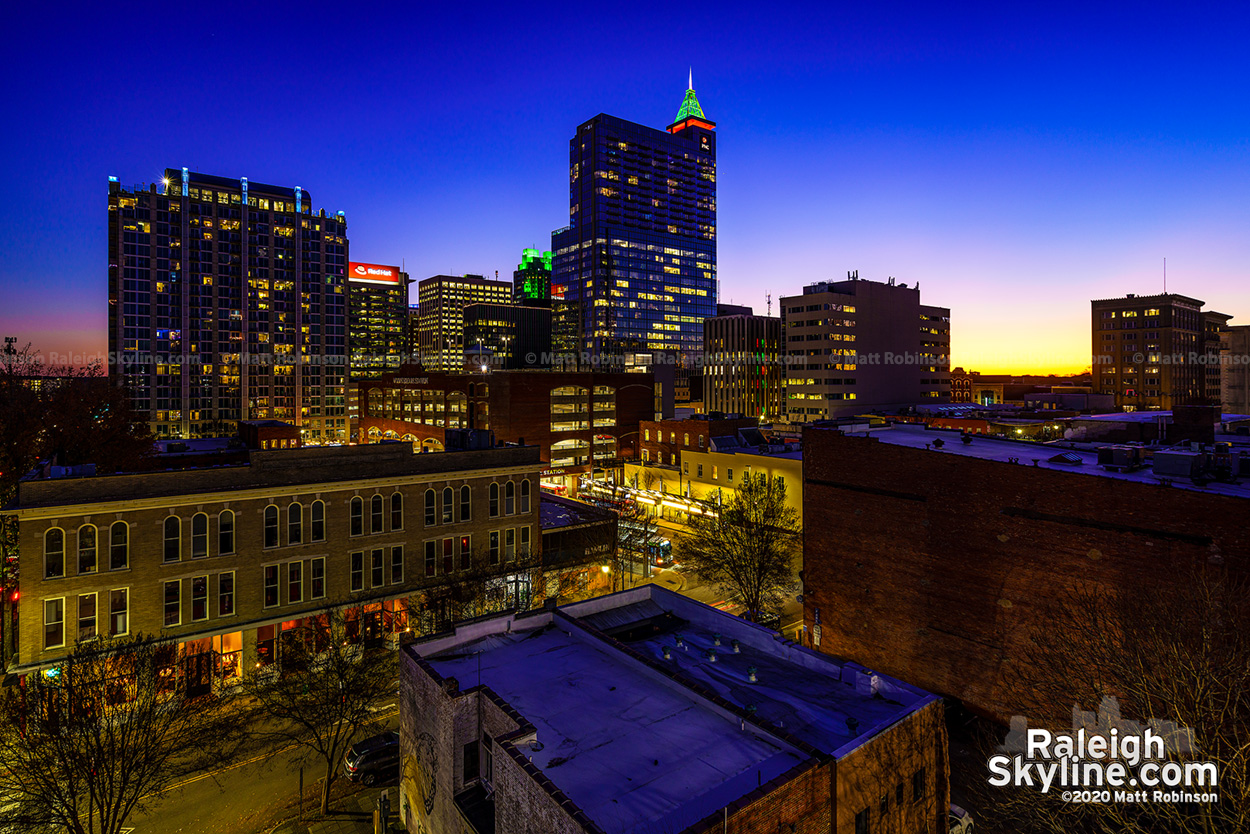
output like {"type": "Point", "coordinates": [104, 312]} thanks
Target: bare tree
{"type": "Point", "coordinates": [319, 692]}
{"type": "Point", "coordinates": [97, 739]}
{"type": "Point", "coordinates": [63, 414]}
{"type": "Point", "coordinates": [748, 548]}
{"type": "Point", "coordinates": [481, 588]}
{"type": "Point", "coordinates": [637, 541]}
{"type": "Point", "coordinates": [1179, 652]}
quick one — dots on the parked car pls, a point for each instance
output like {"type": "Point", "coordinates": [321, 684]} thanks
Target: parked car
{"type": "Point", "coordinates": [961, 821]}
{"type": "Point", "coordinates": [768, 619]}
{"type": "Point", "coordinates": [376, 759]}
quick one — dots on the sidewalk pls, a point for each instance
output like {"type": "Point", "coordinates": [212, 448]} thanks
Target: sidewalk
{"type": "Point", "coordinates": [355, 818]}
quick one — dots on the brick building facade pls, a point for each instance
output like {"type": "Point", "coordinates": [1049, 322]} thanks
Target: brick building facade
{"type": "Point", "coordinates": [933, 565]}
{"type": "Point", "coordinates": [225, 558]}
{"type": "Point", "coordinates": [662, 441]}
{"type": "Point", "coordinates": [570, 416]}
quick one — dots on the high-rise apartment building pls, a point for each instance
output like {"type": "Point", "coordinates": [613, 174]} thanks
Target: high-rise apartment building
{"type": "Point", "coordinates": [856, 345]}
{"type": "Point", "coordinates": [743, 364]}
{"type": "Point", "coordinates": [638, 258]}
{"type": "Point", "coordinates": [1156, 351]}
{"type": "Point", "coordinates": [441, 301]}
{"type": "Point", "coordinates": [227, 302]}
{"type": "Point", "coordinates": [377, 318]}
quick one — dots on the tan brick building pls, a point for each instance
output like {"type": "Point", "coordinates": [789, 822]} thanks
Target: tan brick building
{"type": "Point", "coordinates": [646, 711]}
{"type": "Point", "coordinates": [224, 559]}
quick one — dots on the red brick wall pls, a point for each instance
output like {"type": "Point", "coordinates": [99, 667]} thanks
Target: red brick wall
{"type": "Point", "coordinates": [932, 567]}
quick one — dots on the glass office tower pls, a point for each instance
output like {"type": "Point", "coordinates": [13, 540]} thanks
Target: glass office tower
{"type": "Point", "coordinates": [637, 262]}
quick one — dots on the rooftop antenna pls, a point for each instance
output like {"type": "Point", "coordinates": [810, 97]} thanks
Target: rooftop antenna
{"type": "Point", "coordinates": [1165, 276]}
{"type": "Point", "coordinates": [768, 299]}
{"type": "Point", "coordinates": [690, 83]}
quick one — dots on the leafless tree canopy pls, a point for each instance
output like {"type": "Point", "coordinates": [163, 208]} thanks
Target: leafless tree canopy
{"type": "Point", "coordinates": [747, 550]}
{"type": "Point", "coordinates": [319, 692]}
{"type": "Point", "coordinates": [84, 750]}
{"type": "Point", "coordinates": [482, 588]}
{"type": "Point", "coordinates": [1179, 652]}
{"type": "Point", "coordinates": [67, 414]}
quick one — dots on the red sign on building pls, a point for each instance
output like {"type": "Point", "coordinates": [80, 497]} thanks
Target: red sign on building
{"type": "Point", "coordinates": [373, 273]}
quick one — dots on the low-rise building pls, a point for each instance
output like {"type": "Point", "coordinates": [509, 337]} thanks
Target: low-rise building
{"type": "Point", "coordinates": [581, 421]}
{"type": "Point", "coordinates": [646, 711]}
{"type": "Point", "coordinates": [704, 480]}
{"type": "Point", "coordinates": [663, 441]}
{"type": "Point", "coordinates": [224, 559]}
{"type": "Point", "coordinates": [579, 540]}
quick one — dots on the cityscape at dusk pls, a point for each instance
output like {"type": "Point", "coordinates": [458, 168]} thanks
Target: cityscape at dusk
{"type": "Point", "coordinates": [1015, 161]}
{"type": "Point", "coordinates": [504, 419]}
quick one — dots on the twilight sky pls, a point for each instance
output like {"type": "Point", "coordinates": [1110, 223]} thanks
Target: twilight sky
{"type": "Point", "coordinates": [1017, 162]}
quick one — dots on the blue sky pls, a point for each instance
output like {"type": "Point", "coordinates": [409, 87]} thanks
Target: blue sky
{"type": "Point", "coordinates": [1015, 161]}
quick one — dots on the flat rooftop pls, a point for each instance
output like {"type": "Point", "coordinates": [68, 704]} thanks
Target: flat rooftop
{"type": "Point", "coordinates": [831, 704]}
{"type": "Point", "coordinates": [645, 745]}
{"type": "Point", "coordinates": [635, 753]}
{"type": "Point", "coordinates": [1146, 417]}
{"type": "Point", "coordinates": [276, 469]}
{"type": "Point", "coordinates": [1024, 453]}
{"type": "Point", "coordinates": [555, 512]}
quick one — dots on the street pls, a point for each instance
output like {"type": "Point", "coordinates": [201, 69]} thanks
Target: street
{"type": "Point", "coordinates": [688, 583]}
{"type": "Point", "coordinates": [251, 795]}
{"type": "Point", "coordinates": [261, 791]}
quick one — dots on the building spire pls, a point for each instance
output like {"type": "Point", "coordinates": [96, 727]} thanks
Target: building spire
{"type": "Point", "coordinates": [689, 104]}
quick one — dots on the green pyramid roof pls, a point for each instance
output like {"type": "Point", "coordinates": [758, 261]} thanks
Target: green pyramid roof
{"type": "Point", "coordinates": [689, 107]}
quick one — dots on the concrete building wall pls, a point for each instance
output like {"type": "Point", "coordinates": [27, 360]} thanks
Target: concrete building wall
{"type": "Point", "coordinates": [857, 345]}
{"type": "Point", "coordinates": [743, 371]}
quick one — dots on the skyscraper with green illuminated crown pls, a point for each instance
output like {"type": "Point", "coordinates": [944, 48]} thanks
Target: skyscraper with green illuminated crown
{"type": "Point", "coordinates": [636, 265]}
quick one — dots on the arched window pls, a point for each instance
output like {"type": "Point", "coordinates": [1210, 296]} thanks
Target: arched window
{"type": "Point", "coordinates": [646, 435]}
{"type": "Point", "coordinates": [358, 516]}
{"type": "Point", "coordinates": [430, 517]}
{"type": "Point", "coordinates": [375, 514]}
{"type": "Point", "coordinates": [686, 439]}
{"type": "Point", "coordinates": [525, 497]}
{"type": "Point", "coordinates": [119, 546]}
{"type": "Point", "coordinates": [225, 532]}
{"type": "Point", "coordinates": [494, 500]}
{"type": "Point", "coordinates": [54, 553]}
{"type": "Point", "coordinates": [701, 441]}
{"type": "Point", "coordinates": [449, 505]}
{"type": "Point", "coordinates": [509, 498]}
{"type": "Point", "coordinates": [466, 503]}
{"type": "Point", "coordinates": [397, 511]}
{"type": "Point", "coordinates": [173, 538]}
{"type": "Point", "coordinates": [199, 535]}
{"type": "Point", "coordinates": [87, 549]}
{"type": "Point", "coordinates": [294, 523]}
{"type": "Point", "coordinates": [318, 514]}
{"type": "Point", "coordinates": [271, 526]}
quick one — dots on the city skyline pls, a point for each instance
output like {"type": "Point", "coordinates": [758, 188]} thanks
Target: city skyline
{"type": "Point", "coordinates": [1015, 166]}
